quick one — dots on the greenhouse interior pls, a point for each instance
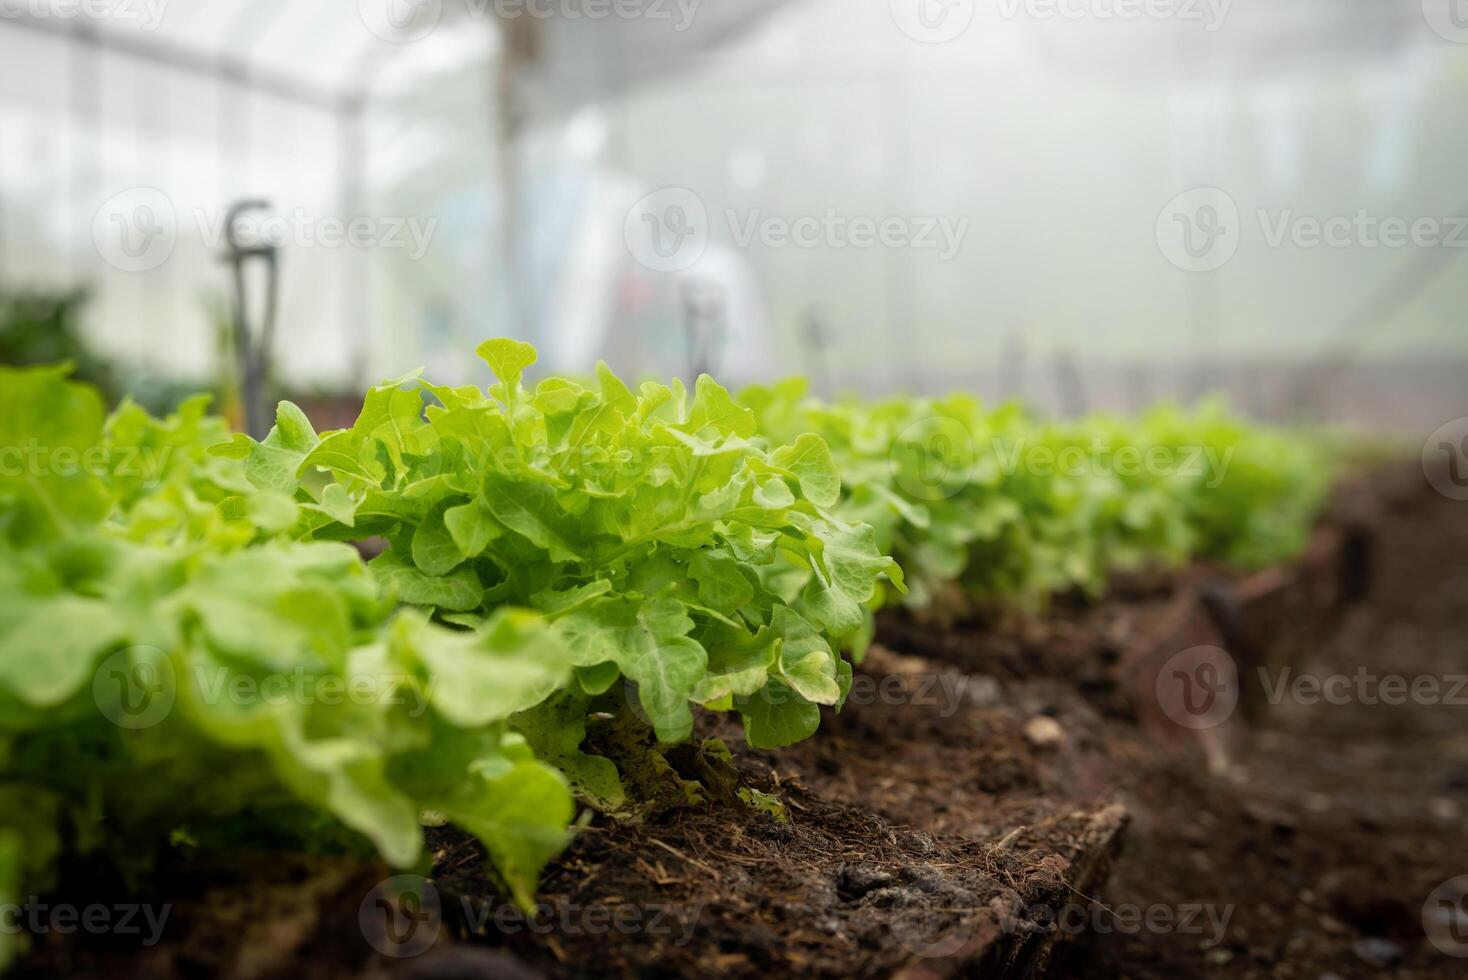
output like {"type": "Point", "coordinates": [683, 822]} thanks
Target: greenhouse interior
{"type": "Point", "coordinates": [393, 576]}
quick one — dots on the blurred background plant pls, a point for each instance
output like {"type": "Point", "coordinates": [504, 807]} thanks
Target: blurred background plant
{"type": "Point", "coordinates": [39, 326]}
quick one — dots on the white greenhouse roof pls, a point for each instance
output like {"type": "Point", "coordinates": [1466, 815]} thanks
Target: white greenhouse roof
{"type": "Point", "coordinates": [325, 52]}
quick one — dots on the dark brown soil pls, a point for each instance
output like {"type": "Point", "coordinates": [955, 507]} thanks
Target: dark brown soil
{"type": "Point", "coordinates": [1333, 823]}
{"type": "Point", "coordinates": [925, 833]}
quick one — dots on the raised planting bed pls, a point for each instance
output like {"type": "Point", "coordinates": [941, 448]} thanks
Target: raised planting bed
{"type": "Point", "coordinates": [629, 682]}
{"type": "Point", "coordinates": [1120, 652]}
{"type": "Point", "coordinates": [1330, 836]}
{"type": "Point", "coordinates": [934, 831]}
{"type": "Point", "coordinates": [961, 816]}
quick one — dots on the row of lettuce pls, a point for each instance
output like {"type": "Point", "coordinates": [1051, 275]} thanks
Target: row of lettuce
{"type": "Point", "coordinates": [192, 653]}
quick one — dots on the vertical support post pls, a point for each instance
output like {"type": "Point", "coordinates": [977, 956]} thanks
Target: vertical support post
{"type": "Point", "coordinates": [521, 46]}
{"type": "Point", "coordinates": [705, 325]}
{"type": "Point", "coordinates": [354, 281]}
{"type": "Point", "coordinates": [817, 335]}
{"type": "Point", "coordinates": [1069, 386]}
{"type": "Point", "coordinates": [1204, 306]}
{"type": "Point", "coordinates": [1012, 363]}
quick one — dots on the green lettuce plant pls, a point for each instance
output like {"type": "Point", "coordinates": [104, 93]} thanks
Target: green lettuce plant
{"type": "Point", "coordinates": [995, 504]}
{"type": "Point", "coordinates": [681, 561]}
{"type": "Point", "coordinates": [170, 664]}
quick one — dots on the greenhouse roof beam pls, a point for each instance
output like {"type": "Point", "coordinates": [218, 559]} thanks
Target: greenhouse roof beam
{"type": "Point", "coordinates": [168, 55]}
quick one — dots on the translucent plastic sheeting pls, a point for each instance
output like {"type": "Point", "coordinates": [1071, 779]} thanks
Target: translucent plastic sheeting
{"type": "Point", "coordinates": [1052, 145]}
{"type": "Point", "coordinates": [130, 122]}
